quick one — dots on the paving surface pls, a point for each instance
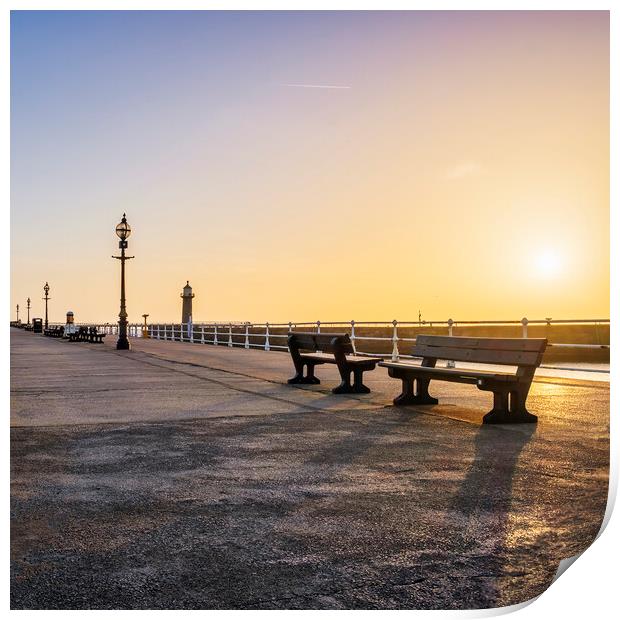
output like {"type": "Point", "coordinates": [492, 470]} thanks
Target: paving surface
{"type": "Point", "coordinates": [190, 476]}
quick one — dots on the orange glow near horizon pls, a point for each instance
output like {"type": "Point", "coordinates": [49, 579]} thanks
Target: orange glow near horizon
{"type": "Point", "coordinates": [313, 166]}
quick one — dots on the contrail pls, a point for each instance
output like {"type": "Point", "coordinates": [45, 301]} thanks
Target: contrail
{"type": "Point", "coordinates": [329, 86]}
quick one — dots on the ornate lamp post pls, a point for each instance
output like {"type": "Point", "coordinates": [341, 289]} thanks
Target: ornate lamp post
{"type": "Point", "coordinates": [17, 313]}
{"type": "Point", "coordinates": [46, 289]}
{"type": "Point", "coordinates": [28, 308]}
{"type": "Point", "coordinates": [123, 230]}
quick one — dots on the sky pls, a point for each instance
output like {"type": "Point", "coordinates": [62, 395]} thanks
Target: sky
{"type": "Point", "coordinates": [301, 166]}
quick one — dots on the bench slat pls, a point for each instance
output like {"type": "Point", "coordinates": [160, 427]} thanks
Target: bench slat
{"type": "Point", "coordinates": [510, 358]}
{"type": "Point", "coordinates": [352, 359]}
{"type": "Point", "coordinates": [491, 344]}
{"type": "Point", "coordinates": [311, 341]}
{"type": "Point", "coordinates": [450, 372]}
{"type": "Point", "coordinates": [507, 351]}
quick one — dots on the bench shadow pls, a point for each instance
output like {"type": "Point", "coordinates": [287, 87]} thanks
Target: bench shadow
{"type": "Point", "coordinates": [479, 513]}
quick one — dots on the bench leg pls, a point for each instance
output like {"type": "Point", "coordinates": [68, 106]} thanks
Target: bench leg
{"type": "Point", "coordinates": [358, 385]}
{"type": "Point", "coordinates": [419, 397]}
{"type": "Point", "coordinates": [345, 386]}
{"type": "Point", "coordinates": [309, 379]}
{"type": "Point", "coordinates": [509, 407]}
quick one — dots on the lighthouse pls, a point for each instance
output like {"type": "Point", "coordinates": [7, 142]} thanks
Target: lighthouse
{"type": "Point", "coordinates": [187, 297]}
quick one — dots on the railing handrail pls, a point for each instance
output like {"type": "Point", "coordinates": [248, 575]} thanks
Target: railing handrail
{"type": "Point", "coordinates": [246, 333]}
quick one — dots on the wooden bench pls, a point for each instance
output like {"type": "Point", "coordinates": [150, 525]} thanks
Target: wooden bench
{"type": "Point", "coordinates": [94, 336]}
{"type": "Point", "coordinates": [510, 389]}
{"type": "Point", "coordinates": [54, 332]}
{"type": "Point", "coordinates": [81, 335]}
{"type": "Point", "coordinates": [329, 349]}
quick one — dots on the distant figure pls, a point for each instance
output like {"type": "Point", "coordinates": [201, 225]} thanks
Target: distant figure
{"type": "Point", "coordinates": [187, 297]}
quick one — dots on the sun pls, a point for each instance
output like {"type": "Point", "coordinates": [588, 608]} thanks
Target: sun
{"type": "Point", "coordinates": [548, 263]}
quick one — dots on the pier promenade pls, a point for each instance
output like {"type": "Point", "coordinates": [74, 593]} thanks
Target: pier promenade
{"type": "Point", "coordinates": [178, 475]}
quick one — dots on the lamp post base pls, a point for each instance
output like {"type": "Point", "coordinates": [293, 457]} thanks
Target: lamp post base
{"type": "Point", "coordinates": [123, 344]}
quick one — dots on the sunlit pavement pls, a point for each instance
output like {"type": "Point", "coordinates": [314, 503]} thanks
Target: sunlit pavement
{"type": "Point", "coordinates": [190, 476]}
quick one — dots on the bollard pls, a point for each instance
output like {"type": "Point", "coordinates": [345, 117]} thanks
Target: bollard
{"type": "Point", "coordinates": [215, 334]}
{"type": "Point", "coordinates": [246, 344]}
{"type": "Point", "coordinates": [266, 336]}
{"type": "Point", "coordinates": [230, 342]}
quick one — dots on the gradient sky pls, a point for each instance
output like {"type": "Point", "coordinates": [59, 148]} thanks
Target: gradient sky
{"type": "Point", "coordinates": [461, 167]}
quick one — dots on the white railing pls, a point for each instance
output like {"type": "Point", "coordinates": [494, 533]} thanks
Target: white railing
{"type": "Point", "coordinates": [268, 336]}
{"type": "Point", "coordinates": [272, 336]}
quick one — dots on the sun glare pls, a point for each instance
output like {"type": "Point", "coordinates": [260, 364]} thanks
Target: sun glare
{"type": "Point", "coordinates": [548, 263]}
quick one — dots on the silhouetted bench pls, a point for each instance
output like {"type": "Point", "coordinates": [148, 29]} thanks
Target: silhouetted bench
{"type": "Point", "coordinates": [81, 335]}
{"type": "Point", "coordinates": [95, 336]}
{"type": "Point", "coordinates": [54, 332]}
{"type": "Point", "coordinates": [329, 349]}
{"type": "Point", "coordinates": [510, 390]}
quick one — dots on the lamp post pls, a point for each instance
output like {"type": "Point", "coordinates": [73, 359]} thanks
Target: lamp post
{"type": "Point", "coordinates": [123, 230]}
{"type": "Point", "coordinates": [17, 313]}
{"type": "Point", "coordinates": [145, 329]}
{"type": "Point", "coordinates": [28, 308]}
{"type": "Point", "coordinates": [46, 289]}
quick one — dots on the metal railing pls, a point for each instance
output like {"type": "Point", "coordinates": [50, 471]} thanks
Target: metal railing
{"type": "Point", "coordinates": [392, 336]}
{"type": "Point", "coordinates": [273, 335]}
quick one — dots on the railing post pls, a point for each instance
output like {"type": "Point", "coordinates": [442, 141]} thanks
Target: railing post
{"type": "Point", "coordinates": [202, 334]}
{"type": "Point", "coordinates": [450, 363]}
{"type": "Point", "coordinates": [395, 354]}
{"type": "Point", "coordinates": [318, 327]}
{"type": "Point", "coordinates": [266, 336]}
{"type": "Point", "coordinates": [230, 342]}
{"type": "Point", "coordinates": [524, 330]}
{"type": "Point", "coordinates": [246, 344]}
{"type": "Point", "coordinates": [353, 337]}
{"type": "Point", "coordinates": [191, 333]}
{"type": "Point", "coordinates": [215, 334]}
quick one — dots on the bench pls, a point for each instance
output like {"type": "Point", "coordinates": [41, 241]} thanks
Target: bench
{"type": "Point", "coordinates": [81, 335]}
{"type": "Point", "coordinates": [510, 389]}
{"type": "Point", "coordinates": [54, 332]}
{"type": "Point", "coordinates": [94, 336]}
{"type": "Point", "coordinates": [329, 349]}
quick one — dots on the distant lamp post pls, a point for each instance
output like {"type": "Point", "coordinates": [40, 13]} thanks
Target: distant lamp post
{"type": "Point", "coordinates": [28, 308]}
{"type": "Point", "coordinates": [145, 329]}
{"type": "Point", "coordinates": [123, 230]}
{"type": "Point", "coordinates": [46, 289]}
{"type": "Point", "coordinates": [17, 313]}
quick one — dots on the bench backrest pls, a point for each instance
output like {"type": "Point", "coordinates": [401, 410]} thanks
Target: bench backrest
{"type": "Point", "coordinates": [507, 351]}
{"type": "Point", "coordinates": [328, 343]}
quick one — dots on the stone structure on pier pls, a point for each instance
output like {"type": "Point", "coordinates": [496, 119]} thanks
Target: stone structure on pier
{"type": "Point", "coordinates": [187, 297]}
